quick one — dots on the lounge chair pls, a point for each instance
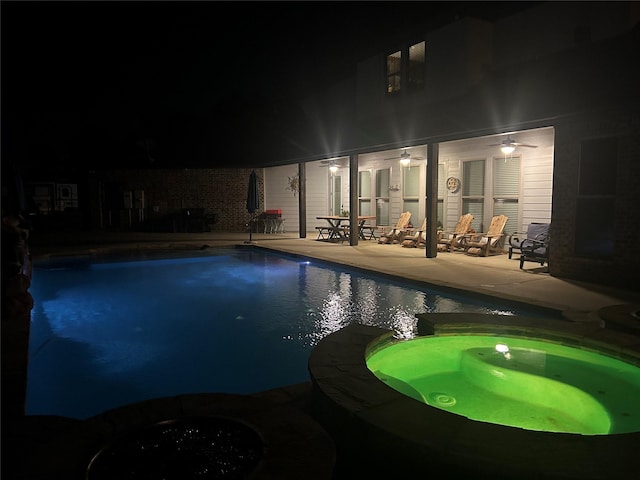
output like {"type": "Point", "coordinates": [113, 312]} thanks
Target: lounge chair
{"type": "Point", "coordinates": [398, 232]}
{"type": "Point", "coordinates": [483, 244]}
{"type": "Point", "coordinates": [448, 241]}
{"type": "Point", "coordinates": [535, 231]}
{"type": "Point", "coordinates": [535, 248]}
{"type": "Point", "coordinates": [416, 238]}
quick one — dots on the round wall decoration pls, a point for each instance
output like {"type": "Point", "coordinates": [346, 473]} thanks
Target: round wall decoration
{"type": "Point", "coordinates": [453, 184]}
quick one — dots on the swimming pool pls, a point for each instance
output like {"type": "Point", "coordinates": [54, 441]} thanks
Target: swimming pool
{"type": "Point", "coordinates": [107, 332]}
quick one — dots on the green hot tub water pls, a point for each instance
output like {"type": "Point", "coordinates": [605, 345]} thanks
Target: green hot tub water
{"type": "Point", "coordinates": [512, 381]}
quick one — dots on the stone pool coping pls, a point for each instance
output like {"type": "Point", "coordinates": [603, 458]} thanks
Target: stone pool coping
{"type": "Point", "coordinates": [368, 419]}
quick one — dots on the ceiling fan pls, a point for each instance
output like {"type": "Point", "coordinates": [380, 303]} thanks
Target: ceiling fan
{"type": "Point", "coordinates": [508, 145]}
{"type": "Point", "coordinates": [332, 164]}
{"type": "Point", "coordinates": [405, 158]}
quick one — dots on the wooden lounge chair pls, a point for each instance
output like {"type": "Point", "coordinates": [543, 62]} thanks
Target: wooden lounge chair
{"type": "Point", "coordinates": [448, 241]}
{"type": "Point", "coordinates": [396, 233]}
{"type": "Point", "coordinates": [482, 244]}
{"type": "Point", "coordinates": [416, 238]}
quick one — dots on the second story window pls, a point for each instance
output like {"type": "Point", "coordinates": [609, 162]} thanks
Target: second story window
{"type": "Point", "coordinates": [394, 69]}
{"type": "Point", "coordinates": [406, 69]}
{"type": "Point", "coordinates": [416, 73]}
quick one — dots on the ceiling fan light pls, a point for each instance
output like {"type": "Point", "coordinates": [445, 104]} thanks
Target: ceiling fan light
{"type": "Point", "coordinates": [333, 168]}
{"type": "Point", "coordinates": [405, 161]}
{"type": "Point", "coordinates": [507, 149]}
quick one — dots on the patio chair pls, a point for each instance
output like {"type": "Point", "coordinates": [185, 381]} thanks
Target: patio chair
{"type": "Point", "coordinates": [397, 233]}
{"type": "Point", "coordinates": [483, 244]}
{"type": "Point", "coordinates": [416, 238]}
{"type": "Point", "coordinates": [535, 231]}
{"type": "Point", "coordinates": [448, 241]}
{"type": "Point", "coordinates": [536, 248]}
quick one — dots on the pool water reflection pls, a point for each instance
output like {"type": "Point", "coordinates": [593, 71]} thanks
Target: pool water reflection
{"type": "Point", "coordinates": [109, 332]}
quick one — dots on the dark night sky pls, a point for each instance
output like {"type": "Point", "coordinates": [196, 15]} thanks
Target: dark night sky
{"type": "Point", "coordinates": [168, 83]}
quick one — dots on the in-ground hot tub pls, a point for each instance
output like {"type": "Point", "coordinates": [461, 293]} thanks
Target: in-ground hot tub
{"type": "Point", "coordinates": [514, 381]}
{"type": "Point", "coordinates": [421, 421]}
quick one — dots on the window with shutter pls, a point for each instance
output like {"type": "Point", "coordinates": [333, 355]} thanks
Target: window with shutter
{"type": "Point", "coordinates": [364, 192]}
{"type": "Point", "coordinates": [473, 192]}
{"type": "Point", "coordinates": [506, 190]}
{"type": "Point", "coordinates": [411, 192]}
{"type": "Point", "coordinates": [382, 196]}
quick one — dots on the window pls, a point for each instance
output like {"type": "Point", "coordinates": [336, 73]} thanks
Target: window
{"type": "Point", "coordinates": [406, 68]}
{"type": "Point", "coordinates": [382, 196]}
{"type": "Point", "coordinates": [442, 182]}
{"type": "Point", "coordinates": [442, 188]}
{"type": "Point", "coordinates": [506, 190]}
{"type": "Point", "coordinates": [411, 193]}
{"type": "Point", "coordinates": [473, 192]}
{"type": "Point", "coordinates": [394, 67]}
{"type": "Point", "coordinates": [336, 193]}
{"type": "Point", "coordinates": [596, 198]}
{"type": "Point", "coordinates": [416, 75]}
{"type": "Point", "coordinates": [364, 192]}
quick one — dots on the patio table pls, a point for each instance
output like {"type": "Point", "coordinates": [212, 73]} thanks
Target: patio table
{"type": "Point", "coordinates": [337, 230]}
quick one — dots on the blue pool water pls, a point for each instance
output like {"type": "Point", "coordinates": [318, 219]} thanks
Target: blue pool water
{"type": "Point", "coordinates": [107, 333]}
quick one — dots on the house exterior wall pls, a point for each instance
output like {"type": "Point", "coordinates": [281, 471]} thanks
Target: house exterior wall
{"type": "Point", "coordinates": [278, 196]}
{"type": "Point", "coordinates": [621, 269]}
{"type": "Point", "coordinates": [456, 56]}
{"type": "Point", "coordinates": [565, 25]}
{"type": "Point", "coordinates": [317, 186]}
{"type": "Point", "coordinates": [573, 70]}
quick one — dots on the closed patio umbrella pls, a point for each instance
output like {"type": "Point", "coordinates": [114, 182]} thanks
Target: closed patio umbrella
{"type": "Point", "coordinates": [253, 199]}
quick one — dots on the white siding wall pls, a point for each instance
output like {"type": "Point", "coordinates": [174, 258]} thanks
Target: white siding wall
{"type": "Point", "coordinates": [318, 193]}
{"type": "Point", "coordinates": [452, 201]}
{"type": "Point", "coordinates": [537, 178]}
{"type": "Point", "coordinates": [537, 187]}
{"type": "Point", "coordinates": [277, 196]}
{"type": "Point", "coordinates": [395, 197]}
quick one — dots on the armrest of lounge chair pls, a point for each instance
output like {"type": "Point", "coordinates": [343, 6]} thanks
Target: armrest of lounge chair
{"type": "Point", "coordinates": [534, 251]}
{"type": "Point", "coordinates": [515, 240]}
{"type": "Point", "coordinates": [446, 236]}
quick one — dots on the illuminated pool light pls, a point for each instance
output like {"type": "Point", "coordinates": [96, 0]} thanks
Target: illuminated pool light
{"type": "Point", "coordinates": [502, 348]}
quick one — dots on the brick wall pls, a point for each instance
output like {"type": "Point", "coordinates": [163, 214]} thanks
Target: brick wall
{"type": "Point", "coordinates": [220, 192]}
{"type": "Point", "coordinates": [622, 268]}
